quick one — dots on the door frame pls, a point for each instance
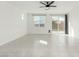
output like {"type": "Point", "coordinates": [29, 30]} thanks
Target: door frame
{"type": "Point", "coordinates": [66, 24]}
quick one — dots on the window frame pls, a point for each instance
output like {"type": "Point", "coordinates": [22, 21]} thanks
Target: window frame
{"type": "Point", "coordinates": [39, 25]}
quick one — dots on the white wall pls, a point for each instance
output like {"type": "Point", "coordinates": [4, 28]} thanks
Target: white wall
{"type": "Point", "coordinates": [70, 8]}
{"type": "Point", "coordinates": [74, 22]}
{"type": "Point", "coordinates": [63, 7]}
{"type": "Point", "coordinates": [48, 25]}
{"type": "Point", "coordinates": [32, 29]}
{"type": "Point", "coordinates": [12, 26]}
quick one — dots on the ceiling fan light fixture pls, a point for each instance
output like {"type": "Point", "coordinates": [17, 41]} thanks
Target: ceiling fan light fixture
{"type": "Point", "coordinates": [47, 8]}
{"type": "Point", "coordinates": [47, 4]}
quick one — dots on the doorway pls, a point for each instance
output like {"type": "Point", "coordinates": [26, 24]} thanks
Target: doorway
{"type": "Point", "coordinates": [59, 24]}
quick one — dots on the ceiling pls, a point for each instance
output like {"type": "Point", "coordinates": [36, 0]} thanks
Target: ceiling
{"type": "Point", "coordinates": [35, 5]}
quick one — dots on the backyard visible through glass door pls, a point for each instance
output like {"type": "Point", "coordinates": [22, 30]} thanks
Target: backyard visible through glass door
{"type": "Point", "coordinates": [58, 24]}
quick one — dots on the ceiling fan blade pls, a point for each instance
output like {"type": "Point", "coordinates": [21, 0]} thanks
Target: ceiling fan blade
{"type": "Point", "coordinates": [47, 2]}
{"type": "Point", "coordinates": [51, 3]}
{"type": "Point", "coordinates": [52, 6]}
{"type": "Point", "coordinates": [42, 6]}
{"type": "Point", "coordinates": [42, 3]}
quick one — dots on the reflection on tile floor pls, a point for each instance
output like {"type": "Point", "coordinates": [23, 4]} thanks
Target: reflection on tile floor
{"type": "Point", "coordinates": [41, 46]}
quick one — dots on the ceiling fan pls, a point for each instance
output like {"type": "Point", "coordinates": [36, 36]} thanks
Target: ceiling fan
{"type": "Point", "coordinates": [47, 4]}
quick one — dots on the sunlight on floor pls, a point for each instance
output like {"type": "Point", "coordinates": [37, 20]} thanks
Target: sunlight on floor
{"type": "Point", "coordinates": [43, 42]}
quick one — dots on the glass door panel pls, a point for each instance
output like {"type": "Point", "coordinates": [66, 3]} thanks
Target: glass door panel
{"type": "Point", "coordinates": [58, 24]}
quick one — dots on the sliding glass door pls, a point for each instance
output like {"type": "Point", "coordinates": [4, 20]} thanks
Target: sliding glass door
{"type": "Point", "coordinates": [58, 24]}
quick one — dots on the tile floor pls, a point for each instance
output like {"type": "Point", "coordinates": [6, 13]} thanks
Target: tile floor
{"type": "Point", "coordinates": [41, 46]}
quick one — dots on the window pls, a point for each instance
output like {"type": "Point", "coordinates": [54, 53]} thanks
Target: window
{"type": "Point", "coordinates": [39, 20]}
